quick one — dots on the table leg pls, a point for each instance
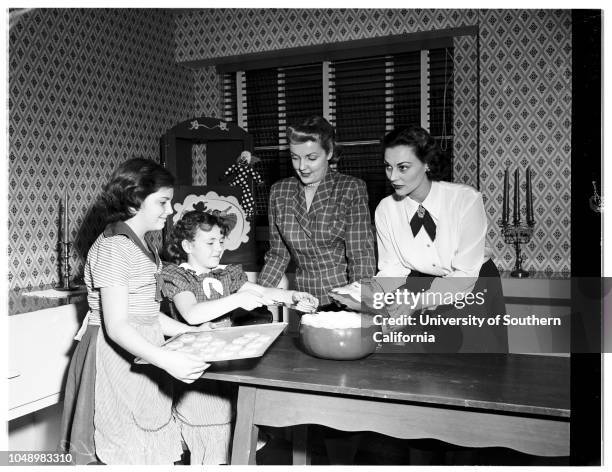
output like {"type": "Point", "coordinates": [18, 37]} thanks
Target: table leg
{"type": "Point", "coordinates": [301, 453]}
{"type": "Point", "coordinates": [245, 433]}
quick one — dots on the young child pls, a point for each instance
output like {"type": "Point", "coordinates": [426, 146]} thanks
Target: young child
{"type": "Point", "coordinates": [116, 411]}
{"type": "Point", "coordinates": [202, 290]}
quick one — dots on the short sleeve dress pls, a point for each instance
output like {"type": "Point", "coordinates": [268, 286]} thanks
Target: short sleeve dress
{"type": "Point", "coordinates": [204, 408]}
{"type": "Point", "coordinates": [133, 420]}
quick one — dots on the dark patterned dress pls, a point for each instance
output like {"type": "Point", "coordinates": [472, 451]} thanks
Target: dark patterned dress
{"type": "Point", "coordinates": [204, 408]}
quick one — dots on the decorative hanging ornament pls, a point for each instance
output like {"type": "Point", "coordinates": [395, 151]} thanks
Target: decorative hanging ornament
{"type": "Point", "coordinates": [595, 202]}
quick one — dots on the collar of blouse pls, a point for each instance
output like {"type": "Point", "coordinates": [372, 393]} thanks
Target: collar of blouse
{"type": "Point", "coordinates": [431, 203]}
{"type": "Point", "coordinates": [122, 228]}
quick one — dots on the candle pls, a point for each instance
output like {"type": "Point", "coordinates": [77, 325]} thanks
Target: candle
{"type": "Point", "coordinates": [506, 203]}
{"type": "Point", "coordinates": [517, 199]}
{"type": "Point", "coordinates": [529, 207]}
{"type": "Point", "coordinates": [65, 228]}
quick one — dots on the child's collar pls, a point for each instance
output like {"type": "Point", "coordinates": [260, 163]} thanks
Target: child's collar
{"type": "Point", "coordinates": [188, 266]}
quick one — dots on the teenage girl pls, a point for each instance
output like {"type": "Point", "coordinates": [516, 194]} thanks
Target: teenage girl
{"type": "Point", "coordinates": [116, 411]}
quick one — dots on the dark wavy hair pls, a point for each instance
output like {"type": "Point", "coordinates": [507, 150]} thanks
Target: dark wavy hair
{"type": "Point", "coordinates": [130, 183]}
{"type": "Point", "coordinates": [315, 128]}
{"type": "Point", "coordinates": [186, 229]}
{"type": "Point", "coordinates": [424, 147]}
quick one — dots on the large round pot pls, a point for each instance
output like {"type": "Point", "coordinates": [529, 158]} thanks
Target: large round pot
{"type": "Point", "coordinates": [338, 335]}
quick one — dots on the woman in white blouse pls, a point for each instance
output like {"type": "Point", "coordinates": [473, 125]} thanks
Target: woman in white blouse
{"type": "Point", "coordinates": [437, 229]}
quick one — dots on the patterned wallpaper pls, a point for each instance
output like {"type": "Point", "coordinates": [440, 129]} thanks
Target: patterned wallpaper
{"type": "Point", "coordinates": [465, 144]}
{"type": "Point", "coordinates": [210, 33]}
{"type": "Point", "coordinates": [525, 85]}
{"type": "Point", "coordinates": [207, 90]}
{"type": "Point", "coordinates": [88, 88]}
{"type": "Point", "coordinates": [526, 101]}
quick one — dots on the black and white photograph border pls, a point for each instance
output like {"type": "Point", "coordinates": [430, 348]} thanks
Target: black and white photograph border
{"type": "Point", "coordinates": [88, 88]}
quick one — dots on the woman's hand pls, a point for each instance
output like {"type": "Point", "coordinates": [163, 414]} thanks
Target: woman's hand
{"type": "Point", "coordinates": [304, 301]}
{"type": "Point", "coordinates": [183, 366]}
{"type": "Point", "coordinates": [398, 312]}
{"type": "Point", "coordinates": [348, 296]}
{"type": "Point", "coordinates": [353, 290]}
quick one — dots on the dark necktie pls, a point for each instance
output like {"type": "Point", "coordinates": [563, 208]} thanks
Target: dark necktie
{"type": "Point", "coordinates": [423, 218]}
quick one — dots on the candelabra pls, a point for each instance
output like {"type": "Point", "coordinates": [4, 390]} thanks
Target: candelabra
{"type": "Point", "coordinates": [65, 284]}
{"type": "Point", "coordinates": [517, 234]}
{"type": "Point", "coordinates": [65, 247]}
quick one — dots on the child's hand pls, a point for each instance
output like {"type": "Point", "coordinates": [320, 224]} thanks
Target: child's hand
{"type": "Point", "coordinates": [183, 366]}
{"type": "Point", "coordinates": [250, 299]}
{"type": "Point", "coordinates": [203, 327]}
{"type": "Point", "coordinates": [304, 301]}
{"type": "Point", "coordinates": [210, 325]}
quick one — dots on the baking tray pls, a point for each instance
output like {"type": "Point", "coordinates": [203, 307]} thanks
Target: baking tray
{"type": "Point", "coordinates": [251, 341]}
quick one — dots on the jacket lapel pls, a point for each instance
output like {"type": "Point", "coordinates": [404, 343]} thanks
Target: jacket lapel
{"type": "Point", "coordinates": [321, 198]}
{"type": "Point", "coordinates": [299, 208]}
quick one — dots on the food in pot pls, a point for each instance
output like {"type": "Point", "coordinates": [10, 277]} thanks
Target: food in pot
{"type": "Point", "coordinates": [338, 335]}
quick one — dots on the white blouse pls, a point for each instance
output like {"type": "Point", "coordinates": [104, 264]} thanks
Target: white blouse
{"type": "Point", "coordinates": [458, 251]}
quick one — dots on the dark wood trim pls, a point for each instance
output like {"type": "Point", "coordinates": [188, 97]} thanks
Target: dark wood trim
{"type": "Point", "coordinates": [392, 44]}
{"type": "Point", "coordinates": [586, 251]}
{"type": "Point", "coordinates": [478, 106]}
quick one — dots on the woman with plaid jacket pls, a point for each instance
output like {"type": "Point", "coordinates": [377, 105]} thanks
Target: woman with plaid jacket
{"type": "Point", "coordinates": [320, 218]}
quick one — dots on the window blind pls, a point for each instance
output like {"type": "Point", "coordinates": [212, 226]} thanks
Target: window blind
{"type": "Point", "coordinates": [230, 100]}
{"type": "Point", "coordinates": [301, 95]}
{"type": "Point", "coordinates": [262, 118]}
{"type": "Point", "coordinates": [441, 101]}
{"type": "Point", "coordinates": [361, 99]}
{"type": "Point", "coordinates": [364, 98]}
{"type": "Point", "coordinates": [407, 89]}
{"type": "Point", "coordinates": [358, 98]}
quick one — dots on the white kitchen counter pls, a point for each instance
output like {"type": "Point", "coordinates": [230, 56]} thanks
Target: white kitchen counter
{"type": "Point", "coordinates": [41, 335]}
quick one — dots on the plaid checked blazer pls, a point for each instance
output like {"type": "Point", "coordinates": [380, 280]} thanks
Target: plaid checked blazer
{"type": "Point", "coordinates": [332, 244]}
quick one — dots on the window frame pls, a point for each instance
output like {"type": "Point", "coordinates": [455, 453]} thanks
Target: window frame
{"type": "Point", "coordinates": [328, 53]}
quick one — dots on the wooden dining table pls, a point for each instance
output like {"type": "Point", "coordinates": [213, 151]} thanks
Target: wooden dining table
{"type": "Point", "coordinates": [517, 401]}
